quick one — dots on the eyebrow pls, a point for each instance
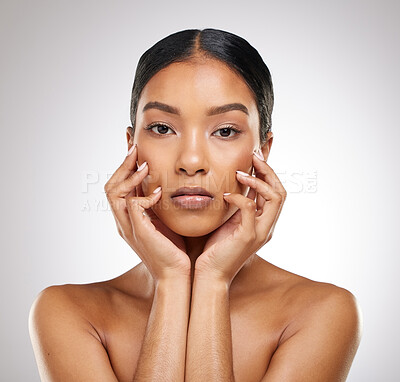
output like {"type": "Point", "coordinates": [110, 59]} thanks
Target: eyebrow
{"type": "Point", "coordinates": [211, 111]}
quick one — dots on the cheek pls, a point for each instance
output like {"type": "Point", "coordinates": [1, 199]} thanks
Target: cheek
{"type": "Point", "coordinates": [242, 161]}
{"type": "Point", "coordinates": [157, 176]}
{"type": "Point", "coordinates": [157, 165]}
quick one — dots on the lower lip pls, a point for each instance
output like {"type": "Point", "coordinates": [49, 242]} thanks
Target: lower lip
{"type": "Point", "coordinates": [192, 201]}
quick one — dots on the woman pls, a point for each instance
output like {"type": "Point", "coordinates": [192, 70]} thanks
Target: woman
{"type": "Point", "coordinates": [202, 305]}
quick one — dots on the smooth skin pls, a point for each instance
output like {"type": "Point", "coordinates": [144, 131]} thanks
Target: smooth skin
{"type": "Point", "coordinates": [202, 305]}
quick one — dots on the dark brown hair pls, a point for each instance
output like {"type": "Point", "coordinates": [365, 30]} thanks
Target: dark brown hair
{"type": "Point", "coordinates": [227, 47]}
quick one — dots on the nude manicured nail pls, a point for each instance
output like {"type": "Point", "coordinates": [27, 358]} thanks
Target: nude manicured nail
{"type": "Point", "coordinates": [131, 149]}
{"type": "Point", "coordinates": [258, 153]}
{"type": "Point", "coordinates": [242, 173]}
{"type": "Point", "coordinates": [141, 167]}
{"type": "Point", "coordinates": [158, 189]}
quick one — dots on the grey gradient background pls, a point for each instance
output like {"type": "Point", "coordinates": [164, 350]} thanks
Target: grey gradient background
{"type": "Point", "coordinates": [67, 70]}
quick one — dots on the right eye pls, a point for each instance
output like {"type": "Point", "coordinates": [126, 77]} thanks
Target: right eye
{"type": "Point", "coordinates": [161, 128]}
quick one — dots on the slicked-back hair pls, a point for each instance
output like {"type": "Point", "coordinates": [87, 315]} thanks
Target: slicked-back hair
{"type": "Point", "coordinates": [227, 47]}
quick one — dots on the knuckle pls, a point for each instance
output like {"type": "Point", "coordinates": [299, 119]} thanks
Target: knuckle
{"type": "Point", "coordinates": [277, 197]}
{"type": "Point", "coordinates": [107, 187]}
{"type": "Point", "coordinates": [110, 197]}
{"type": "Point", "coordinates": [134, 203]}
{"type": "Point", "coordinates": [130, 200]}
{"type": "Point", "coordinates": [250, 204]}
{"type": "Point", "coordinates": [116, 204]}
{"type": "Point", "coordinates": [283, 193]}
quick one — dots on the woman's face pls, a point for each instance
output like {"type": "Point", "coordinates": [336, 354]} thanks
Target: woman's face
{"type": "Point", "coordinates": [187, 142]}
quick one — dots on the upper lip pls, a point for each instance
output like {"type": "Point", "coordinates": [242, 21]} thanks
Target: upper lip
{"type": "Point", "coordinates": [191, 191]}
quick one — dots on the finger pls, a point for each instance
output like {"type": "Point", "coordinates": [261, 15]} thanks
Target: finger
{"type": "Point", "coordinates": [255, 184]}
{"type": "Point", "coordinates": [124, 170]}
{"type": "Point", "coordinates": [251, 194]}
{"type": "Point", "coordinates": [260, 201]}
{"type": "Point", "coordinates": [260, 187]}
{"type": "Point", "coordinates": [136, 206]}
{"type": "Point", "coordinates": [120, 213]}
{"type": "Point", "coordinates": [266, 173]}
{"type": "Point", "coordinates": [273, 201]}
{"type": "Point", "coordinates": [139, 190]}
{"type": "Point", "coordinates": [251, 181]}
{"type": "Point", "coordinates": [150, 213]}
{"type": "Point", "coordinates": [131, 182]}
{"type": "Point", "coordinates": [248, 211]}
{"type": "Point", "coordinates": [266, 227]}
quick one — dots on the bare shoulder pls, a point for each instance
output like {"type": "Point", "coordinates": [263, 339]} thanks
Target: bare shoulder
{"type": "Point", "coordinates": [71, 297]}
{"type": "Point", "coordinates": [62, 307]}
{"type": "Point", "coordinates": [68, 327]}
{"type": "Point", "coordinates": [321, 301]}
{"type": "Point", "coordinates": [304, 295]}
{"type": "Point", "coordinates": [92, 302]}
{"type": "Point", "coordinates": [321, 328]}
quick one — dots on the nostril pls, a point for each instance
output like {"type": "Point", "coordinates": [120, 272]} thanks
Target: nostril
{"type": "Point", "coordinates": [201, 170]}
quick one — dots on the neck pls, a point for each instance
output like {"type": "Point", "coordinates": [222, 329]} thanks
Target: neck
{"type": "Point", "coordinates": [194, 248]}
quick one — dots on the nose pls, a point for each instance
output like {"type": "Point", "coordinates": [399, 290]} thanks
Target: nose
{"type": "Point", "coordinates": [192, 154]}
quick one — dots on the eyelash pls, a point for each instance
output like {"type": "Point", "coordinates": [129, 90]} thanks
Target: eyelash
{"type": "Point", "coordinates": [237, 131]}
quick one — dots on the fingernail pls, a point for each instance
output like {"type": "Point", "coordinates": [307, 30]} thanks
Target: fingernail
{"type": "Point", "coordinates": [242, 173]}
{"type": "Point", "coordinates": [258, 153]}
{"type": "Point", "coordinates": [141, 167]}
{"type": "Point", "coordinates": [227, 193]}
{"type": "Point", "coordinates": [158, 189]}
{"type": "Point", "coordinates": [131, 149]}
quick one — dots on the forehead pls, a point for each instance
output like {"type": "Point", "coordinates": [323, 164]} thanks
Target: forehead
{"type": "Point", "coordinates": [198, 85]}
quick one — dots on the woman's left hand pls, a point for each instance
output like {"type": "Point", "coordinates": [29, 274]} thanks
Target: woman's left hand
{"type": "Point", "coordinates": [247, 230]}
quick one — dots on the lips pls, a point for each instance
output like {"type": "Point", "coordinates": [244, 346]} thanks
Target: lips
{"type": "Point", "coordinates": [191, 191]}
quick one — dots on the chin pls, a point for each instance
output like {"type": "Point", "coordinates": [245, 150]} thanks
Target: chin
{"type": "Point", "coordinates": [192, 231]}
{"type": "Point", "coordinates": [191, 226]}
{"type": "Point", "coordinates": [191, 223]}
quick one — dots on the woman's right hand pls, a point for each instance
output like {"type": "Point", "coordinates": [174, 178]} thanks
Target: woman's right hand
{"type": "Point", "coordinates": [161, 249]}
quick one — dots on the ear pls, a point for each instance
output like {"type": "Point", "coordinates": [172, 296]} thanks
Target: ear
{"type": "Point", "coordinates": [266, 147]}
{"type": "Point", "coordinates": [129, 136]}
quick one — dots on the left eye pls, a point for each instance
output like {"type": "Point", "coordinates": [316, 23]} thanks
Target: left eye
{"type": "Point", "coordinates": [161, 128]}
{"type": "Point", "coordinates": [225, 131]}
